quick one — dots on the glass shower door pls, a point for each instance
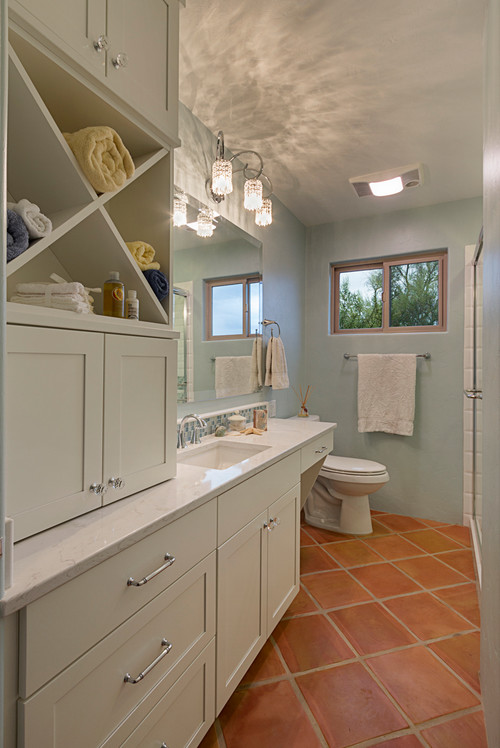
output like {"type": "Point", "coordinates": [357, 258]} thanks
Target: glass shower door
{"type": "Point", "coordinates": [475, 394]}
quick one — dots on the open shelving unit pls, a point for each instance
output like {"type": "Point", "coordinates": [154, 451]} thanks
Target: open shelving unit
{"type": "Point", "coordinates": [89, 229]}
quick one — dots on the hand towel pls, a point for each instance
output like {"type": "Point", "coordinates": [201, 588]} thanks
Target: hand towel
{"type": "Point", "coordinates": [257, 379]}
{"type": "Point", "coordinates": [102, 156]}
{"type": "Point", "coordinates": [233, 375]}
{"type": "Point", "coordinates": [17, 235]}
{"type": "Point", "coordinates": [276, 368]}
{"type": "Point", "coordinates": [386, 393]}
{"type": "Point", "coordinates": [143, 254]}
{"type": "Point", "coordinates": [158, 283]}
{"type": "Point", "coordinates": [37, 224]}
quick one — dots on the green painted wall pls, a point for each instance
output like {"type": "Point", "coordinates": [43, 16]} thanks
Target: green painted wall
{"type": "Point", "coordinates": [425, 469]}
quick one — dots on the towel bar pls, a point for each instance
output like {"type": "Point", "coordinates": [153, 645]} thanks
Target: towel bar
{"type": "Point", "coordinates": [418, 355]}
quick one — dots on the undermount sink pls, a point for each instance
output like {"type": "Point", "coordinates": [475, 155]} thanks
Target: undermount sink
{"type": "Point", "coordinates": [219, 455]}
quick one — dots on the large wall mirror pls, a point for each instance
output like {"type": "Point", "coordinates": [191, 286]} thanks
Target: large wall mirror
{"type": "Point", "coordinates": [217, 307]}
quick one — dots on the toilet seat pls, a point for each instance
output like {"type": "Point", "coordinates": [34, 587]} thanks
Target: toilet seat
{"type": "Point", "coordinates": [351, 466]}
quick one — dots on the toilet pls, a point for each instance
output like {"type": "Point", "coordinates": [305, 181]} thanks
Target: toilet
{"type": "Point", "coordinates": [339, 499]}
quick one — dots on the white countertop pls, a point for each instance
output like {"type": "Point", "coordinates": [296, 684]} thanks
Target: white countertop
{"type": "Point", "coordinates": [47, 560]}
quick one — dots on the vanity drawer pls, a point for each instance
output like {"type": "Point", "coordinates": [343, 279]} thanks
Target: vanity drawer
{"type": "Point", "coordinates": [241, 504]}
{"type": "Point", "coordinates": [86, 703]}
{"type": "Point", "coordinates": [316, 450]}
{"type": "Point", "coordinates": [56, 629]}
{"type": "Point", "coordinates": [182, 717]}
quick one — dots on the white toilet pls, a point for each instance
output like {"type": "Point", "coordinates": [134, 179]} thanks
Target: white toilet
{"type": "Point", "coordinates": [339, 499]}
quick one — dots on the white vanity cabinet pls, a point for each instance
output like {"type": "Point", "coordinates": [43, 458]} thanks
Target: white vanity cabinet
{"type": "Point", "coordinates": [258, 566]}
{"type": "Point", "coordinates": [124, 659]}
{"type": "Point", "coordinates": [131, 47]}
{"type": "Point", "coordinates": [90, 419]}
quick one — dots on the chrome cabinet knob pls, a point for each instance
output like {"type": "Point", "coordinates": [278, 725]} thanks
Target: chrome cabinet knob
{"type": "Point", "coordinates": [101, 44]}
{"type": "Point", "coordinates": [98, 488]}
{"type": "Point", "coordinates": [116, 483]}
{"type": "Point", "coordinates": [120, 61]}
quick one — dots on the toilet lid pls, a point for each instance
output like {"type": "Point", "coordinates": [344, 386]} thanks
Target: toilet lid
{"type": "Point", "coordinates": [352, 466]}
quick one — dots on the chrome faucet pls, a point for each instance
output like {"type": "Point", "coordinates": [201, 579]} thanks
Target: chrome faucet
{"type": "Point", "coordinates": [181, 439]}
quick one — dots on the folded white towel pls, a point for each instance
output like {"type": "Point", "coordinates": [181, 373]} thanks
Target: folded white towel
{"type": "Point", "coordinates": [276, 368]}
{"type": "Point", "coordinates": [386, 392]}
{"type": "Point", "coordinates": [233, 375]}
{"type": "Point", "coordinates": [37, 224]}
{"type": "Point", "coordinates": [257, 378]}
{"type": "Point", "coordinates": [71, 296]}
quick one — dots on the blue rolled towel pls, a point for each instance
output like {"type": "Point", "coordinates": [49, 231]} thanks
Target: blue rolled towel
{"type": "Point", "coordinates": [18, 238]}
{"type": "Point", "coordinates": [158, 283]}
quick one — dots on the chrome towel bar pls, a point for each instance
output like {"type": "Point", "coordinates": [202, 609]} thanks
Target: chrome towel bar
{"type": "Point", "coordinates": [418, 355]}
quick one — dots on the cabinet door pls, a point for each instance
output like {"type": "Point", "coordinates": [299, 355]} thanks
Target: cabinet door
{"type": "Point", "coordinates": [283, 555]}
{"type": "Point", "coordinates": [148, 34]}
{"type": "Point", "coordinates": [72, 25]}
{"type": "Point", "coordinates": [140, 412]}
{"type": "Point", "coordinates": [54, 425]}
{"type": "Point", "coordinates": [241, 598]}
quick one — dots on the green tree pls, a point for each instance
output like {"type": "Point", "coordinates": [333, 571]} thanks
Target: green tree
{"type": "Point", "coordinates": [414, 294]}
{"type": "Point", "coordinates": [358, 310]}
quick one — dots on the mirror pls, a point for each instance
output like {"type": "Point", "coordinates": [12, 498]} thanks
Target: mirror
{"type": "Point", "coordinates": [217, 307]}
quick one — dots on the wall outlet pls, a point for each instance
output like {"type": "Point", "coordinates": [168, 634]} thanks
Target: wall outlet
{"type": "Point", "coordinates": [271, 408]}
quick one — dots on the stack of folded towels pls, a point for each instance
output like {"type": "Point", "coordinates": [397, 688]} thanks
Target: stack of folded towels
{"type": "Point", "coordinates": [70, 296]}
{"type": "Point", "coordinates": [144, 254]}
{"type": "Point", "coordinates": [103, 158]}
{"type": "Point", "coordinates": [25, 221]}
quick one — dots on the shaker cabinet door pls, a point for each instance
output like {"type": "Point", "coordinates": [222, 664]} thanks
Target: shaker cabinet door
{"type": "Point", "coordinates": [283, 556]}
{"type": "Point", "coordinates": [143, 58]}
{"type": "Point", "coordinates": [140, 413]}
{"type": "Point", "coordinates": [53, 425]}
{"type": "Point", "coordinates": [74, 26]}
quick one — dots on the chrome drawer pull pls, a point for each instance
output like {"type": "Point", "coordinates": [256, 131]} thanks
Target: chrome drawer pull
{"type": "Point", "coordinates": [168, 558]}
{"type": "Point", "coordinates": [320, 450]}
{"type": "Point", "coordinates": [164, 643]}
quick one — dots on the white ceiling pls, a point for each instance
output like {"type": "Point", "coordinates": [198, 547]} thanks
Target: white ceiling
{"type": "Point", "coordinates": [325, 90]}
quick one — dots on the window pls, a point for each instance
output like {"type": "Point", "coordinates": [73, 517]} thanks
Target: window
{"type": "Point", "coordinates": [400, 294]}
{"type": "Point", "coordinates": [232, 307]}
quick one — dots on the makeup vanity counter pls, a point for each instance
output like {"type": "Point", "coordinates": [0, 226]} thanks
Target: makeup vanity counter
{"type": "Point", "coordinates": [212, 553]}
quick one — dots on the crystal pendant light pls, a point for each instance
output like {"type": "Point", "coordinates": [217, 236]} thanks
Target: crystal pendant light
{"type": "Point", "coordinates": [222, 177]}
{"type": "Point", "coordinates": [180, 212]}
{"type": "Point", "coordinates": [205, 227]}
{"type": "Point", "coordinates": [253, 194]}
{"type": "Point", "coordinates": [264, 214]}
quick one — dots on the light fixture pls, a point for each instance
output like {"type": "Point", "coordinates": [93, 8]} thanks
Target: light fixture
{"type": "Point", "coordinates": [221, 183]}
{"type": "Point", "coordinates": [264, 214]}
{"type": "Point", "coordinates": [180, 210]}
{"type": "Point", "coordinates": [388, 182]}
{"type": "Point", "coordinates": [205, 226]}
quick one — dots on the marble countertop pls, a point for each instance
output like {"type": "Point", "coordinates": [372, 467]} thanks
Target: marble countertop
{"type": "Point", "coordinates": [51, 558]}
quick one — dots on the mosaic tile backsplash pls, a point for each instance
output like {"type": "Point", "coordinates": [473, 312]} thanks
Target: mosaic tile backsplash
{"type": "Point", "coordinates": [219, 418]}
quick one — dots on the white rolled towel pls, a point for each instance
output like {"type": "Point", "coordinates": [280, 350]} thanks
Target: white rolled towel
{"type": "Point", "coordinates": [37, 224]}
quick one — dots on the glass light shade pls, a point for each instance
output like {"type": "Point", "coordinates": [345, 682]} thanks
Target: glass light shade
{"type": "Point", "coordinates": [264, 214]}
{"type": "Point", "coordinates": [205, 227]}
{"type": "Point", "coordinates": [180, 212]}
{"type": "Point", "coordinates": [222, 177]}
{"type": "Point", "coordinates": [253, 194]}
{"type": "Point", "coordinates": [386, 187]}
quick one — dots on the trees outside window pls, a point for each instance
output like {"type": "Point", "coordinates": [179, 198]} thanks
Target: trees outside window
{"type": "Point", "coordinates": [391, 295]}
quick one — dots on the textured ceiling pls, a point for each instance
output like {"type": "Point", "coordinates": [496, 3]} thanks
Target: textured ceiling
{"type": "Point", "coordinates": [331, 89]}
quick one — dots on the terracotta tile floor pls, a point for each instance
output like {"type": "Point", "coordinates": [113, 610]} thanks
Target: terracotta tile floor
{"type": "Point", "coordinates": [379, 648]}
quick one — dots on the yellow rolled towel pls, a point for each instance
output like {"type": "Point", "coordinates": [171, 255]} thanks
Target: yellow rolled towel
{"type": "Point", "coordinates": [143, 254]}
{"type": "Point", "coordinates": [102, 157]}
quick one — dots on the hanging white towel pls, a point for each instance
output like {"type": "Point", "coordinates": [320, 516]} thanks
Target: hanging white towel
{"type": "Point", "coordinates": [386, 392]}
{"type": "Point", "coordinates": [257, 378]}
{"type": "Point", "coordinates": [233, 375]}
{"type": "Point", "coordinates": [276, 368]}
